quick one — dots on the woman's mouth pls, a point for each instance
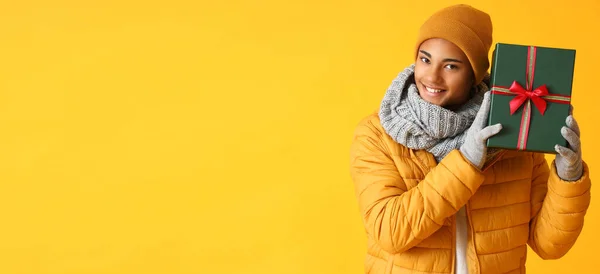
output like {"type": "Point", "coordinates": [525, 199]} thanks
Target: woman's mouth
{"type": "Point", "coordinates": [434, 90]}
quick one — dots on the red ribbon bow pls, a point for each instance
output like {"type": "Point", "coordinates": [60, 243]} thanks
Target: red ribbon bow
{"type": "Point", "coordinates": [523, 95]}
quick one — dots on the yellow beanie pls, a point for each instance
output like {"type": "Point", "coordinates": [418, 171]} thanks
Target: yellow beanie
{"type": "Point", "coordinates": [468, 28]}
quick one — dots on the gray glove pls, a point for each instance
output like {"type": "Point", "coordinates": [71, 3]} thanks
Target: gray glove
{"type": "Point", "coordinates": [569, 164]}
{"type": "Point", "coordinates": [474, 148]}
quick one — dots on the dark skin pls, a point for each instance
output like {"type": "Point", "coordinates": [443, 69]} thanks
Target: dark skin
{"type": "Point", "coordinates": [443, 74]}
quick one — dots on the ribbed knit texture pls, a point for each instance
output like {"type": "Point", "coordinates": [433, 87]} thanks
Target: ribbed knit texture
{"type": "Point", "coordinates": [418, 124]}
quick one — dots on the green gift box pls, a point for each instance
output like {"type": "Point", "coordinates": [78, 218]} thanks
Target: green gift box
{"type": "Point", "coordinates": [531, 95]}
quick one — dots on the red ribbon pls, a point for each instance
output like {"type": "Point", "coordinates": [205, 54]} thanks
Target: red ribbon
{"type": "Point", "coordinates": [539, 96]}
{"type": "Point", "coordinates": [523, 95]}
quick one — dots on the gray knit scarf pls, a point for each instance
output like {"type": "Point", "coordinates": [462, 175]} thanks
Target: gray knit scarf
{"type": "Point", "coordinates": [418, 124]}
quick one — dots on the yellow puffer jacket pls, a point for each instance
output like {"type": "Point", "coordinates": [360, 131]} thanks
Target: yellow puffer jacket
{"type": "Point", "coordinates": [408, 203]}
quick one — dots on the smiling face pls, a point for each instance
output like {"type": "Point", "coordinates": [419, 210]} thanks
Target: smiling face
{"type": "Point", "coordinates": [443, 74]}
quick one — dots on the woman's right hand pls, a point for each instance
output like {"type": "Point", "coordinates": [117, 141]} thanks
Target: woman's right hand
{"type": "Point", "coordinates": [474, 148]}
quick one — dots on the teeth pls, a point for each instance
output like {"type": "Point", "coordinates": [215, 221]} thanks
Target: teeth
{"type": "Point", "coordinates": [433, 90]}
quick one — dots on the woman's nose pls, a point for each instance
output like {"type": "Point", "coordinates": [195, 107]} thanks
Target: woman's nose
{"type": "Point", "coordinates": [433, 75]}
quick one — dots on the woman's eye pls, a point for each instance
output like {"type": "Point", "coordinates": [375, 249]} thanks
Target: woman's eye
{"type": "Point", "coordinates": [451, 66]}
{"type": "Point", "coordinates": [424, 60]}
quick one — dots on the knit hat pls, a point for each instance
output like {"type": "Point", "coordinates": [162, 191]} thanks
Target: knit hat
{"type": "Point", "coordinates": [468, 28]}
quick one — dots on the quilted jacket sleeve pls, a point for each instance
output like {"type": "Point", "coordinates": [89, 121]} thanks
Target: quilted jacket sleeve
{"type": "Point", "coordinates": [398, 218]}
{"type": "Point", "coordinates": [557, 208]}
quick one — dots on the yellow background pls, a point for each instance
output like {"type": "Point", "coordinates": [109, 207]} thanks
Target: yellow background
{"type": "Point", "coordinates": [213, 136]}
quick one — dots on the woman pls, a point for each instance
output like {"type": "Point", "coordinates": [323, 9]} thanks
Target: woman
{"type": "Point", "coordinates": [433, 197]}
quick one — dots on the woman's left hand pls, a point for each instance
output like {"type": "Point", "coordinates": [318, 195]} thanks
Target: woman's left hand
{"type": "Point", "coordinates": [569, 164]}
